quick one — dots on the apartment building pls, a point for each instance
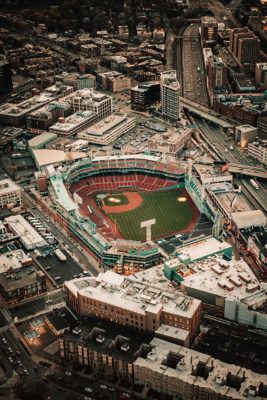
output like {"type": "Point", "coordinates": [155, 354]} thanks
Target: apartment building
{"type": "Point", "coordinates": [114, 81]}
{"type": "Point", "coordinates": [9, 193]}
{"type": "Point", "coordinates": [170, 94]}
{"type": "Point", "coordinates": [258, 150]}
{"type": "Point", "coordinates": [209, 31]}
{"type": "Point", "coordinates": [133, 303]}
{"type": "Point", "coordinates": [261, 75]}
{"type": "Point", "coordinates": [244, 45]}
{"type": "Point", "coordinates": [144, 95]}
{"type": "Point", "coordinates": [186, 374]}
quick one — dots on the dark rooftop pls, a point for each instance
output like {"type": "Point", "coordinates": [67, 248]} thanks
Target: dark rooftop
{"type": "Point", "coordinates": [109, 338]}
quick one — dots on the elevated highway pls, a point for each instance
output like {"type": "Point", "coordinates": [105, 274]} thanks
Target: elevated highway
{"type": "Point", "coordinates": [206, 113]}
{"type": "Point", "coordinates": [248, 170]}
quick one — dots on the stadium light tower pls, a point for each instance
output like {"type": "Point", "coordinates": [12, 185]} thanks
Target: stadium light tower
{"type": "Point", "coordinates": [147, 224]}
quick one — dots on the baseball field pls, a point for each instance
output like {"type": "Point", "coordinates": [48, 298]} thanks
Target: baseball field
{"type": "Point", "coordinates": [173, 210]}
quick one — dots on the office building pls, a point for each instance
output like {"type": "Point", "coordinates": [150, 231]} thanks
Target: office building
{"type": "Point", "coordinates": [170, 92]}
{"type": "Point", "coordinates": [74, 123]}
{"type": "Point", "coordinates": [170, 142]}
{"type": "Point", "coordinates": [5, 79]}
{"type": "Point", "coordinates": [41, 119]}
{"type": "Point", "coordinates": [244, 45]}
{"type": "Point", "coordinates": [133, 303]}
{"type": "Point", "coordinates": [144, 95]}
{"type": "Point", "coordinates": [261, 75]}
{"type": "Point", "coordinates": [216, 73]}
{"type": "Point", "coordinates": [106, 131]}
{"type": "Point", "coordinates": [18, 278]}
{"type": "Point", "coordinates": [9, 193]}
{"type": "Point", "coordinates": [102, 345]}
{"type": "Point", "coordinates": [89, 100]}
{"type": "Point", "coordinates": [41, 182]}
{"type": "Point", "coordinates": [209, 31]}
{"type": "Point", "coordinates": [258, 150]}
{"type": "Point", "coordinates": [77, 81]}
{"type": "Point", "coordinates": [28, 236]}
{"type": "Point", "coordinates": [245, 134]}
{"type": "Point", "coordinates": [22, 284]}
{"type": "Point", "coordinates": [262, 127]}
{"type": "Point", "coordinates": [16, 114]}
{"type": "Point", "coordinates": [114, 81]}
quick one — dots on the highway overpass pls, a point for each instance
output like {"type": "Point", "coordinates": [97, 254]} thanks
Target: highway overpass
{"type": "Point", "coordinates": [205, 113]}
{"type": "Point", "coordinates": [254, 172]}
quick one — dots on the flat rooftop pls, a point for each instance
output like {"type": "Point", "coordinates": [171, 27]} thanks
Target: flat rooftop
{"type": "Point", "coordinates": [201, 249]}
{"type": "Point", "coordinates": [233, 202]}
{"type": "Point", "coordinates": [106, 125]}
{"type": "Point", "coordinates": [101, 335]}
{"type": "Point", "coordinates": [72, 122]}
{"type": "Point", "coordinates": [88, 95]}
{"type": "Point", "coordinates": [13, 260]}
{"type": "Point", "coordinates": [29, 236]}
{"type": "Point", "coordinates": [41, 139]}
{"type": "Point", "coordinates": [19, 278]}
{"type": "Point", "coordinates": [44, 157]}
{"type": "Point", "coordinates": [29, 105]}
{"type": "Point", "coordinates": [206, 171]}
{"type": "Point", "coordinates": [172, 136]}
{"type": "Point", "coordinates": [136, 296]}
{"type": "Point", "coordinates": [7, 186]}
{"type": "Point", "coordinates": [232, 279]}
{"type": "Point", "coordinates": [200, 370]}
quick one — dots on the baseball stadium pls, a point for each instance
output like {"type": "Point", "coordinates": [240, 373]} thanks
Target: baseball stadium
{"type": "Point", "coordinates": [118, 194]}
{"type": "Point", "coordinates": [103, 201]}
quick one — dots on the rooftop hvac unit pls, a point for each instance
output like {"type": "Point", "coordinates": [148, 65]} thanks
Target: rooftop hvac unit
{"type": "Point", "coordinates": [100, 339]}
{"type": "Point", "coordinates": [125, 347]}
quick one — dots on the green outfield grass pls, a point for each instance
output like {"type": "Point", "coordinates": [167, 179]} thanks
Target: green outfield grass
{"type": "Point", "coordinates": [170, 214]}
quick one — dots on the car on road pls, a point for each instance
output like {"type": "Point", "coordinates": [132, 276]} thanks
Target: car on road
{"type": "Point", "coordinates": [89, 390]}
{"type": "Point", "coordinates": [103, 386]}
{"type": "Point", "coordinates": [49, 301]}
{"type": "Point", "coordinates": [68, 373]}
{"type": "Point", "coordinates": [26, 372]}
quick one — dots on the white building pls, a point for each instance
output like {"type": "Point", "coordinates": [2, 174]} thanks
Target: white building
{"type": "Point", "coordinates": [89, 100]}
{"type": "Point", "coordinates": [16, 114]}
{"type": "Point", "coordinates": [9, 193]}
{"type": "Point", "coordinates": [258, 150]}
{"type": "Point", "coordinates": [248, 310]}
{"type": "Point", "coordinates": [29, 237]}
{"type": "Point", "coordinates": [111, 128]}
{"type": "Point", "coordinates": [214, 279]}
{"type": "Point", "coordinates": [245, 134]}
{"type": "Point", "coordinates": [74, 123]}
{"type": "Point", "coordinates": [170, 93]}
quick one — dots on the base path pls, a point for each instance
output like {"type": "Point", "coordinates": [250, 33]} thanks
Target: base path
{"type": "Point", "coordinates": [134, 200]}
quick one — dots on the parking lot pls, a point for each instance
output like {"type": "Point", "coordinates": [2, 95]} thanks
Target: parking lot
{"type": "Point", "coordinates": [65, 270]}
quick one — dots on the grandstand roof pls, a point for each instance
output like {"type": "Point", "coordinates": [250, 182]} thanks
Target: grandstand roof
{"type": "Point", "coordinates": [45, 157]}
